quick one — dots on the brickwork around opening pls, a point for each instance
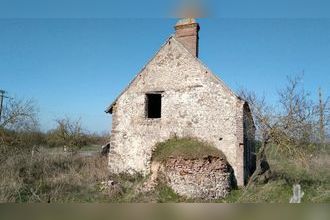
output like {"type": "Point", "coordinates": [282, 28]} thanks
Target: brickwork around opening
{"type": "Point", "coordinates": [195, 103]}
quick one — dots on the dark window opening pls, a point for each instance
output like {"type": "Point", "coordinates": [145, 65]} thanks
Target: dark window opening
{"type": "Point", "coordinates": [154, 105]}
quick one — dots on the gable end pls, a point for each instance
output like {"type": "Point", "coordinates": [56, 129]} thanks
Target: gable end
{"type": "Point", "coordinates": [109, 109]}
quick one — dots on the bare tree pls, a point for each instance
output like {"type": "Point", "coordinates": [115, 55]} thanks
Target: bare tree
{"type": "Point", "coordinates": [19, 115]}
{"type": "Point", "coordinates": [17, 126]}
{"type": "Point", "coordinates": [289, 127]}
{"type": "Point", "coordinates": [296, 118]}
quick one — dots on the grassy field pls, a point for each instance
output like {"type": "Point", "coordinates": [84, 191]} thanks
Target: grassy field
{"type": "Point", "coordinates": [313, 175]}
{"type": "Point", "coordinates": [45, 176]}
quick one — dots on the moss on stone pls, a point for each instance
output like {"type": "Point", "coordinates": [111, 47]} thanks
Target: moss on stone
{"type": "Point", "coordinates": [186, 148]}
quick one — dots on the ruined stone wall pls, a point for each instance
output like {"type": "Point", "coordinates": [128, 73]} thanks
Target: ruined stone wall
{"type": "Point", "coordinates": [249, 141]}
{"type": "Point", "coordinates": [245, 142]}
{"type": "Point", "coordinates": [240, 149]}
{"type": "Point", "coordinates": [194, 103]}
{"type": "Point", "coordinates": [207, 178]}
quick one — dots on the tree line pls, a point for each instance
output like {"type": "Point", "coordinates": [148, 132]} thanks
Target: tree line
{"type": "Point", "coordinates": [19, 130]}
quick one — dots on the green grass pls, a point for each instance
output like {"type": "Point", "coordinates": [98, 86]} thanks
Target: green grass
{"type": "Point", "coordinates": [74, 178]}
{"type": "Point", "coordinates": [187, 148]}
{"type": "Point", "coordinates": [90, 148]}
{"type": "Point", "coordinates": [272, 192]}
{"type": "Point", "coordinates": [166, 194]}
{"type": "Point", "coordinates": [130, 186]}
{"type": "Point", "coordinates": [312, 174]}
{"type": "Point", "coordinates": [279, 191]}
{"type": "Point", "coordinates": [161, 194]}
{"type": "Point", "coordinates": [127, 191]}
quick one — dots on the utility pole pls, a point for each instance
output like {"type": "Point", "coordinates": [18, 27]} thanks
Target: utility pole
{"type": "Point", "coordinates": [2, 97]}
{"type": "Point", "coordinates": [321, 119]}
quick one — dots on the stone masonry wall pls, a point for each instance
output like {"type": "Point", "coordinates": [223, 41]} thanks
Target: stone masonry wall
{"type": "Point", "coordinates": [207, 178]}
{"type": "Point", "coordinates": [240, 163]}
{"type": "Point", "coordinates": [194, 104]}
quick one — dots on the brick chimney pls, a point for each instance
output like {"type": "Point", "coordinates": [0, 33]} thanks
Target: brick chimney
{"type": "Point", "coordinates": [186, 31]}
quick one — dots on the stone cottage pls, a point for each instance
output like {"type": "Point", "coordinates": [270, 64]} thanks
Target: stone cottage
{"type": "Point", "coordinates": [175, 94]}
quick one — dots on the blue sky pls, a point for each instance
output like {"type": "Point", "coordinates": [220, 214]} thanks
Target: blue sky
{"type": "Point", "coordinates": [162, 8]}
{"type": "Point", "coordinates": [75, 64]}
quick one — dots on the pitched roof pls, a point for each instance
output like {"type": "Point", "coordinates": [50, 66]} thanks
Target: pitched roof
{"type": "Point", "coordinates": [109, 108]}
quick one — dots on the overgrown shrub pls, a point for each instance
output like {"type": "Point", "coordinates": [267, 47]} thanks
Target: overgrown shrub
{"type": "Point", "coordinates": [70, 133]}
{"type": "Point", "coordinates": [187, 148]}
